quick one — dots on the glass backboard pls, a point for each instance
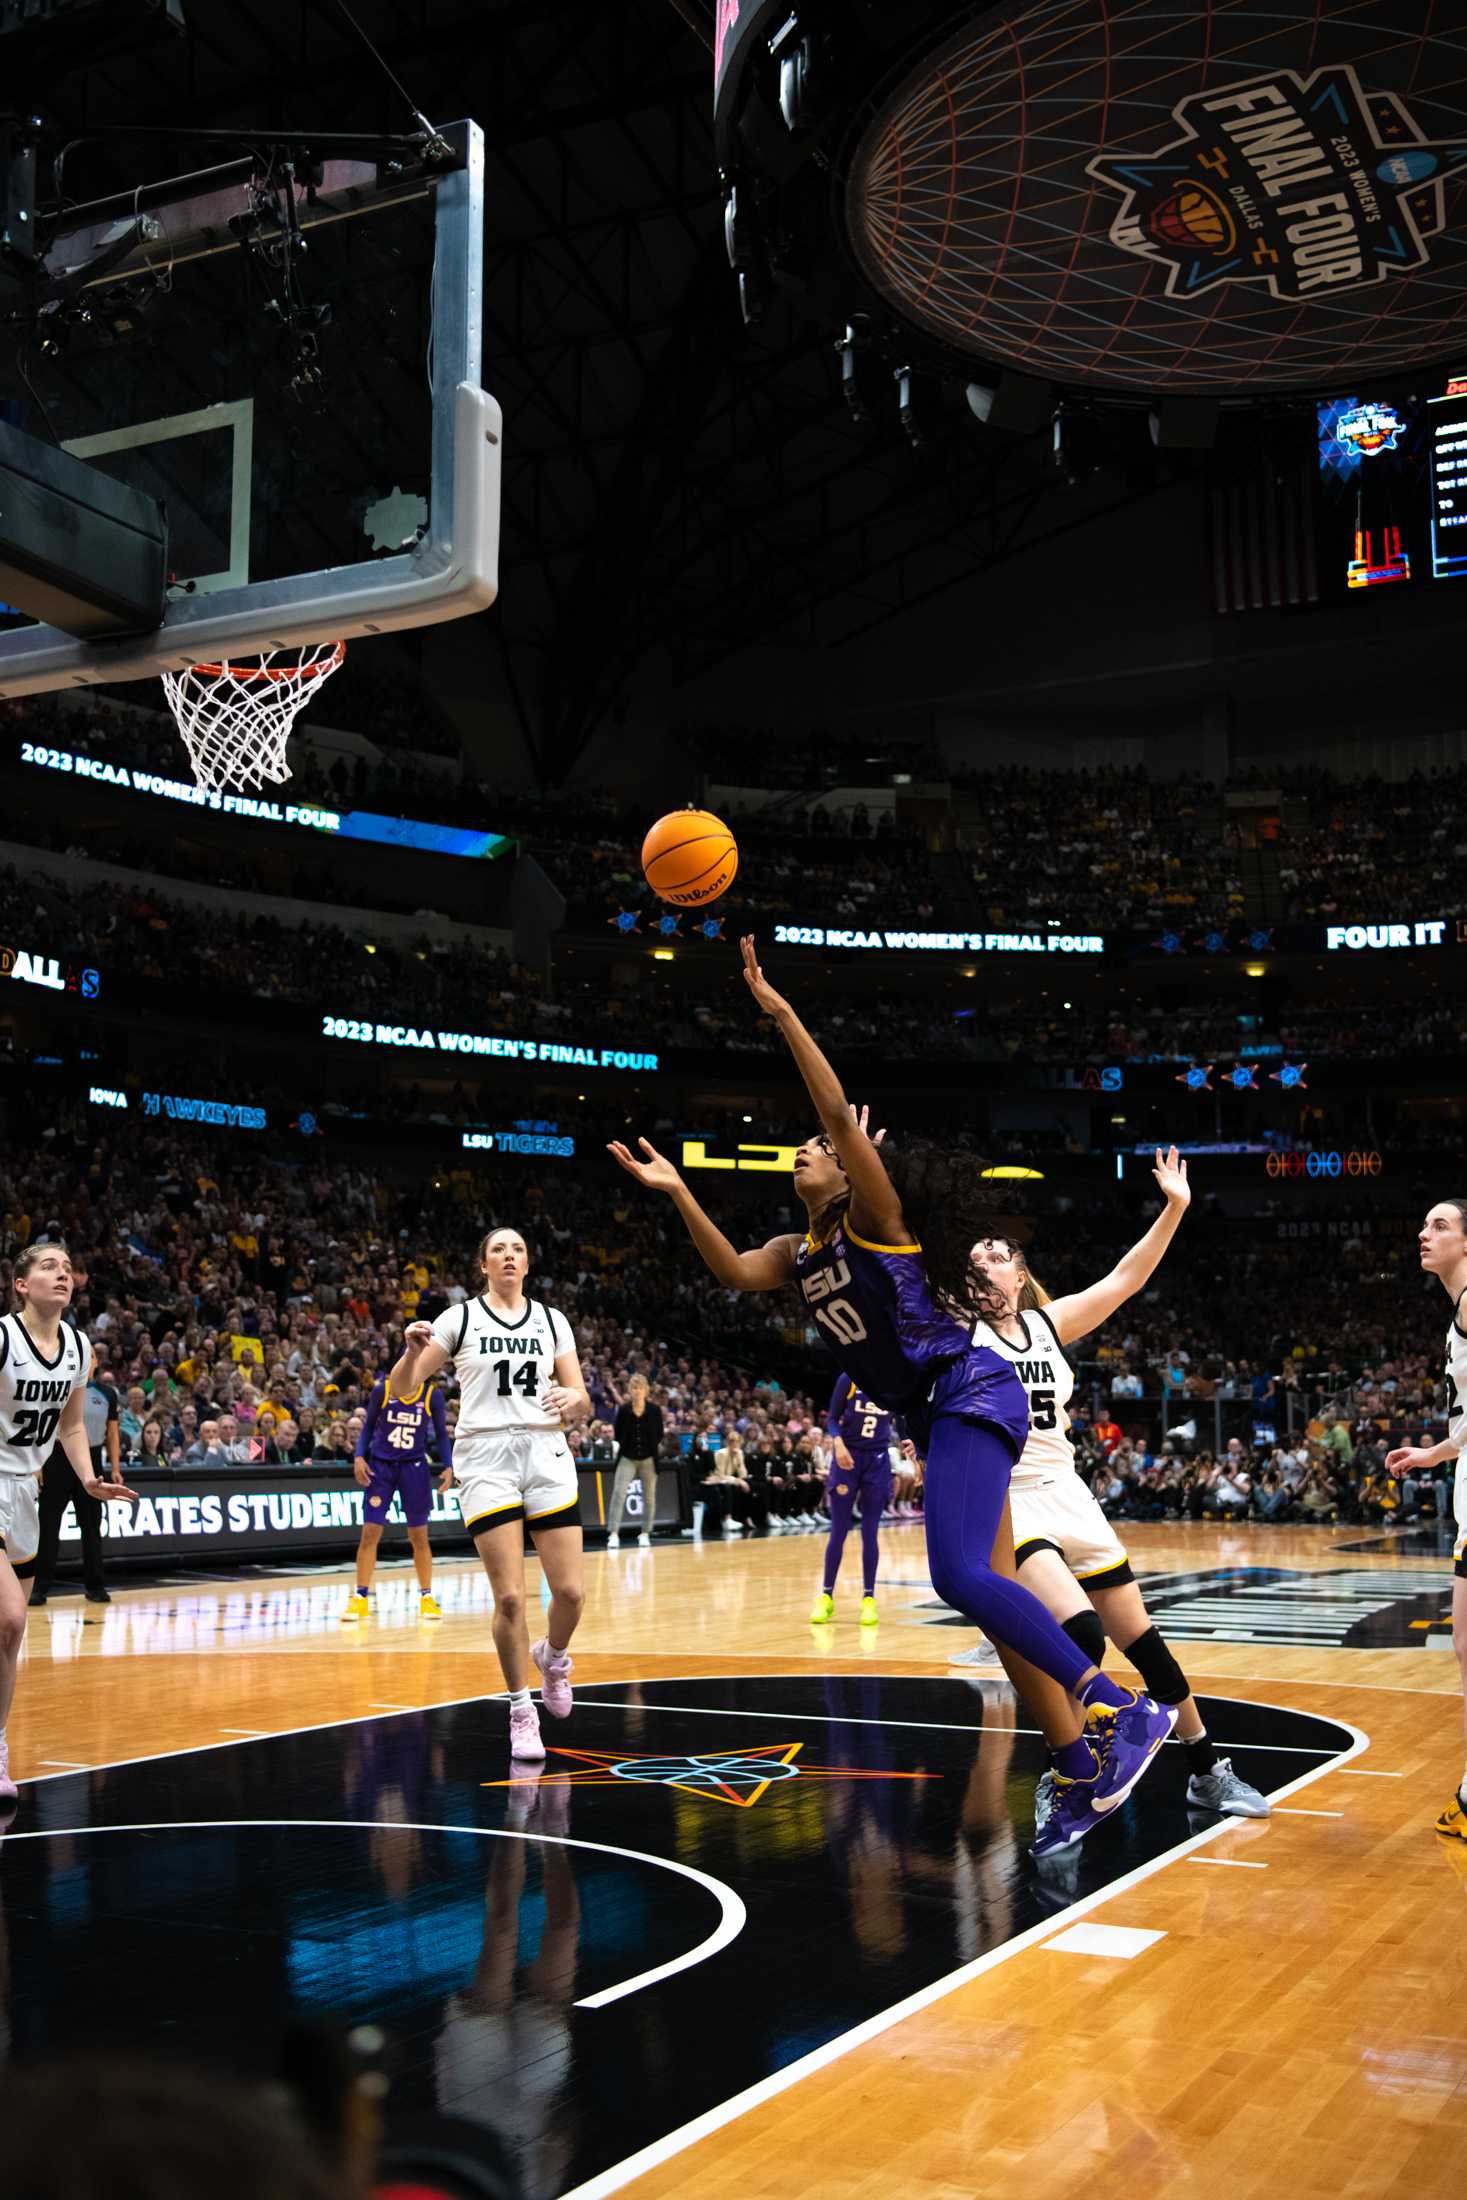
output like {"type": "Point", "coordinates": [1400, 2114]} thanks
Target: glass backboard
{"type": "Point", "coordinates": [289, 360]}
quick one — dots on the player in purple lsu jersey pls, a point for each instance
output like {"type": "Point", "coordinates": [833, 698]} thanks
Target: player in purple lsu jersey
{"type": "Point", "coordinates": [393, 1458]}
{"type": "Point", "coordinates": [860, 1474]}
{"type": "Point", "coordinates": [886, 1274]}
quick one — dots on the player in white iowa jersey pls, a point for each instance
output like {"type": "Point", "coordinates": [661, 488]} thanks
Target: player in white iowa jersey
{"type": "Point", "coordinates": [44, 1365]}
{"type": "Point", "coordinates": [519, 1379]}
{"type": "Point", "coordinates": [1066, 1551]}
{"type": "Point", "coordinates": [1443, 1247]}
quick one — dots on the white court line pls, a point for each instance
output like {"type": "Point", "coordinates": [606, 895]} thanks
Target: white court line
{"type": "Point", "coordinates": [248, 1733]}
{"type": "Point", "coordinates": [269, 1734]}
{"type": "Point", "coordinates": [920, 1726]}
{"type": "Point", "coordinates": [779, 2081]}
{"type": "Point", "coordinates": [1228, 1863]}
{"type": "Point", "coordinates": [732, 1914]}
{"type": "Point", "coordinates": [392, 1707]}
{"type": "Point", "coordinates": [66, 1764]}
{"type": "Point", "coordinates": [1292, 1810]}
{"type": "Point", "coordinates": [1359, 1773]}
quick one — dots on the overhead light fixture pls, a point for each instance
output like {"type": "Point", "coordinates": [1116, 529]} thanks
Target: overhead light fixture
{"type": "Point", "coordinates": [1017, 403]}
{"type": "Point", "coordinates": [663, 954]}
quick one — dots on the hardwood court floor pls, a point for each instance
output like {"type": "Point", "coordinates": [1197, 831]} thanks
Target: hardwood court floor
{"type": "Point", "coordinates": [1294, 2025]}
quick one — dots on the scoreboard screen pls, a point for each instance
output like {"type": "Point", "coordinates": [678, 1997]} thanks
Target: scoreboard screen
{"type": "Point", "coordinates": [1393, 488]}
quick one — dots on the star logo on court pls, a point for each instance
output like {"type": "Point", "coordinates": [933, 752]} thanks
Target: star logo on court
{"type": "Point", "coordinates": [742, 1777]}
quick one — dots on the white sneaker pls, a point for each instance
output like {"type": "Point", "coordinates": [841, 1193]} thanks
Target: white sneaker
{"type": "Point", "coordinates": [613, 1541]}
{"type": "Point", "coordinates": [8, 1789]}
{"type": "Point", "coordinates": [645, 1541]}
{"type": "Point", "coordinates": [982, 1653]}
{"type": "Point", "coordinates": [1222, 1790]}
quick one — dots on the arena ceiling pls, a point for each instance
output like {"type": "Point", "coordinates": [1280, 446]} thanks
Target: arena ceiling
{"type": "Point", "coordinates": [675, 482]}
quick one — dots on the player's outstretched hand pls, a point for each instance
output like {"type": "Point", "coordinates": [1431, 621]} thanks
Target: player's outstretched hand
{"type": "Point", "coordinates": [772, 1003]}
{"type": "Point", "coordinates": [861, 1117]}
{"type": "Point", "coordinates": [1406, 1459]}
{"type": "Point", "coordinates": [116, 1492]}
{"type": "Point", "coordinates": [1171, 1175]}
{"type": "Point", "coordinates": [656, 1172]}
{"type": "Point", "coordinates": [417, 1336]}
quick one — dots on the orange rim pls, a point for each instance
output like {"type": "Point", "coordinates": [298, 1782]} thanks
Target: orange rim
{"type": "Point", "coordinates": [244, 673]}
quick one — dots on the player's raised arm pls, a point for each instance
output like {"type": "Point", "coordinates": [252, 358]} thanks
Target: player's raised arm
{"type": "Point", "coordinates": [875, 1209]}
{"type": "Point", "coordinates": [1081, 1311]}
{"type": "Point", "coordinates": [761, 1268]}
{"type": "Point", "coordinates": [422, 1357]}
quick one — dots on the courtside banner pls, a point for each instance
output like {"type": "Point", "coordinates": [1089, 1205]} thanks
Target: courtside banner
{"type": "Point", "coordinates": [257, 1512]}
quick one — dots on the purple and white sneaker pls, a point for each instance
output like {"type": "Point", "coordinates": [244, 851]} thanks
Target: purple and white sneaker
{"type": "Point", "coordinates": [1126, 1738]}
{"type": "Point", "coordinates": [1064, 1812]}
{"type": "Point", "coordinates": [555, 1673]}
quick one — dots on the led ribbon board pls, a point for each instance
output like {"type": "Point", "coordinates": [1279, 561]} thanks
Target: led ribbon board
{"type": "Point", "coordinates": [421, 834]}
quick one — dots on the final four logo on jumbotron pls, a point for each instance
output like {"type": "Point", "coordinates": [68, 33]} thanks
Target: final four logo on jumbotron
{"type": "Point", "coordinates": [1309, 185]}
{"type": "Point", "coordinates": [1370, 428]}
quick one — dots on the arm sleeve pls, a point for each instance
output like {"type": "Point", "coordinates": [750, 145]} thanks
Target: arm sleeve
{"type": "Point", "coordinates": [837, 1406]}
{"type": "Point", "coordinates": [369, 1419]}
{"type": "Point", "coordinates": [438, 1408]}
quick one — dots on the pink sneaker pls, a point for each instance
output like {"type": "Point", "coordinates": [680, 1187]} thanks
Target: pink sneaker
{"type": "Point", "coordinates": [524, 1733]}
{"type": "Point", "coordinates": [8, 1788]}
{"type": "Point", "coordinates": [555, 1673]}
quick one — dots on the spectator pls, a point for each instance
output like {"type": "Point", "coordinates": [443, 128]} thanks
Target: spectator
{"type": "Point", "coordinates": [149, 1449]}
{"type": "Point", "coordinates": [207, 1449]}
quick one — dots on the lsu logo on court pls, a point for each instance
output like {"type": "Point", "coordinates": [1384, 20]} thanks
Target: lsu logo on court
{"type": "Point", "coordinates": [1307, 185]}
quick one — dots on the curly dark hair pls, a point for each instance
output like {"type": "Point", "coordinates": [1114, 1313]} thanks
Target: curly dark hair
{"type": "Point", "coordinates": [948, 1202]}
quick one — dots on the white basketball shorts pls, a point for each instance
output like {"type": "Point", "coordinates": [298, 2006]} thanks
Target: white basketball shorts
{"type": "Point", "coordinates": [20, 1516]}
{"type": "Point", "coordinates": [517, 1474]}
{"type": "Point", "coordinates": [1061, 1514]}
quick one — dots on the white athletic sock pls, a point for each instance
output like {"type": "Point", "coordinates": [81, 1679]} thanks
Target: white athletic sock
{"type": "Point", "coordinates": [519, 1699]}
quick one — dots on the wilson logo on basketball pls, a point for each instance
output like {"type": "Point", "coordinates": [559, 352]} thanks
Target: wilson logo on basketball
{"type": "Point", "coordinates": [1308, 185]}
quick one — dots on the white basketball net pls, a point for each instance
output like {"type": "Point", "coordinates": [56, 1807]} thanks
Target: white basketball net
{"type": "Point", "coordinates": [236, 718]}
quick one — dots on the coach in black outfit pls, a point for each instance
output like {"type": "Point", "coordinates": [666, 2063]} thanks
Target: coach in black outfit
{"type": "Point", "coordinates": [60, 1488]}
{"type": "Point", "coordinates": [638, 1433]}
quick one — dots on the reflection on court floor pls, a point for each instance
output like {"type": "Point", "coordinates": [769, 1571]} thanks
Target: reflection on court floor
{"type": "Point", "coordinates": [709, 1880]}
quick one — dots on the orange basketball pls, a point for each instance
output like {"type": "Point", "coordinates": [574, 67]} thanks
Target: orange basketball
{"type": "Point", "coordinates": [689, 857]}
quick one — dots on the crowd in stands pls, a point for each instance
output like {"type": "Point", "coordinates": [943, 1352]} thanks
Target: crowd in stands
{"type": "Point", "coordinates": [1107, 849]}
{"type": "Point", "coordinates": [153, 934]}
{"type": "Point", "coordinates": [242, 1306]}
{"type": "Point", "coordinates": [1378, 848]}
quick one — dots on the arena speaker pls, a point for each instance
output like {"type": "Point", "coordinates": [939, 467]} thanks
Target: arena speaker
{"type": "Point", "coordinates": [1014, 189]}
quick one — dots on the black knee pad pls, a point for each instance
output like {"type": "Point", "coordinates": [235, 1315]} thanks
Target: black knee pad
{"type": "Point", "coordinates": [1087, 1634]}
{"type": "Point", "coordinates": [1153, 1660]}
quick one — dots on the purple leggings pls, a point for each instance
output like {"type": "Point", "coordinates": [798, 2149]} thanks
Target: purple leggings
{"type": "Point", "coordinates": [868, 1478]}
{"type": "Point", "coordinates": [968, 1470]}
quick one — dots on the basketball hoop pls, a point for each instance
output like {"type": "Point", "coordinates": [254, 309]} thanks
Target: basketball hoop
{"type": "Point", "coordinates": [236, 718]}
